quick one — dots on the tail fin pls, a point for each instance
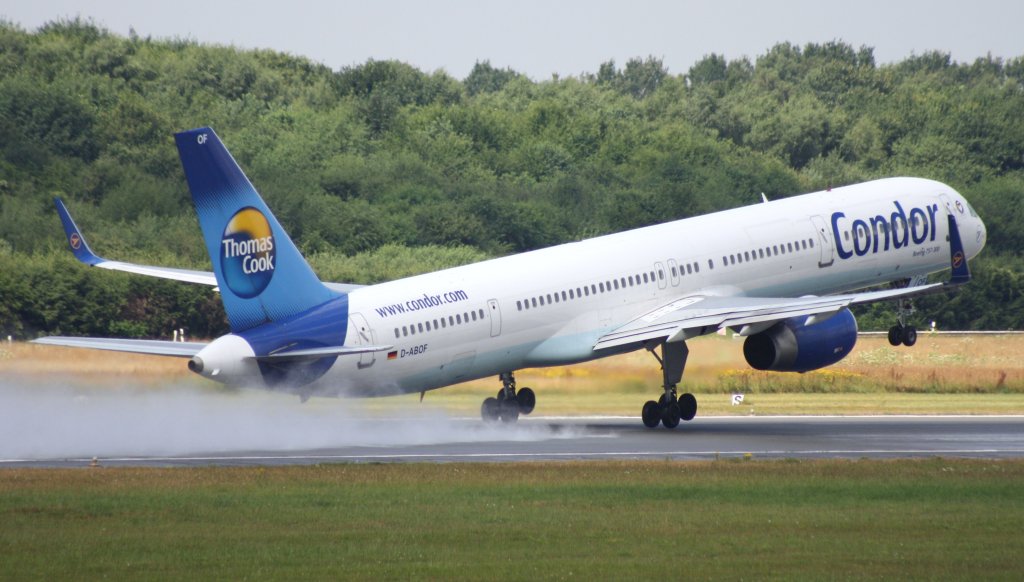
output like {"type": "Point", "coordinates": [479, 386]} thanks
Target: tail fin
{"type": "Point", "coordinates": [262, 276]}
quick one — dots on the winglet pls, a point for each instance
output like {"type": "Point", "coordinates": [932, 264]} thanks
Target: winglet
{"type": "Point", "coordinates": [76, 242]}
{"type": "Point", "coordinates": [957, 257]}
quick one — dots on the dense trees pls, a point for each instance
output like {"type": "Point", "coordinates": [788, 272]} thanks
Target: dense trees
{"type": "Point", "coordinates": [380, 167]}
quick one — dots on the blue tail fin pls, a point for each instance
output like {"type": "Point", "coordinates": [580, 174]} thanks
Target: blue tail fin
{"type": "Point", "coordinates": [262, 276]}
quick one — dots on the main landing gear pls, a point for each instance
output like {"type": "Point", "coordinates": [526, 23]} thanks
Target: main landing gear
{"type": "Point", "coordinates": [509, 403]}
{"type": "Point", "coordinates": [901, 333]}
{"type": "Point", "coordinates": [670, 409]}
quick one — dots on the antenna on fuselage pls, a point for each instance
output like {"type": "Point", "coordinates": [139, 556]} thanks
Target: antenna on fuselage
{"type": "Point", "coordinates": [764, 198]}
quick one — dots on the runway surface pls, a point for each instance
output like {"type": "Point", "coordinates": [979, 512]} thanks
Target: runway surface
{"type": "Point", "coordinates": [606, 438]}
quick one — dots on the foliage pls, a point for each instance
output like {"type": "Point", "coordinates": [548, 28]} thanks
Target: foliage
{"type": "Point", "coordinates": [381, 160]}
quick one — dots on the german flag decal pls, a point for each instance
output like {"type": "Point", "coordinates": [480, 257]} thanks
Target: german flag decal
{"type": "Point", "coordinates": [393, 355]}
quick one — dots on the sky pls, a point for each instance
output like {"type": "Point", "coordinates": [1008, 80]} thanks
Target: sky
{"type": "Point", "coordinates": [542, 38]}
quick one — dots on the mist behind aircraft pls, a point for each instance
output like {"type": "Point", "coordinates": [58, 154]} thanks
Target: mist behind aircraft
{"type": "Point", "coordinates": [52, 419]}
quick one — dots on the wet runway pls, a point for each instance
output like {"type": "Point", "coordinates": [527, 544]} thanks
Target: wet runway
{"type": "Point", "coordinates": [607, 438]}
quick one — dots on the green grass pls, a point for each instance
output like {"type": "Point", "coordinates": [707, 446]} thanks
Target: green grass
{"type": "Point", "coordinates": [727, 519]}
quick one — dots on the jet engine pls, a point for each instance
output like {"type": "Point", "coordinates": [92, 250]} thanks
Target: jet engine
{"type": "Point", "coordinates": [794, 345]}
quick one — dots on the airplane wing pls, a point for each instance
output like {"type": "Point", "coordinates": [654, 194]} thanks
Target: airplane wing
{"type": "Point", "coordinates": [151, 347]}
{"type": "Point", "coordinates": [699, 314]}
{"type": "Point", "coordinates": [83, 253]}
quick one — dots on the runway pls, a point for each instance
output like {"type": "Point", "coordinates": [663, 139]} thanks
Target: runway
{"type": "Point", "coordinates": [621, 438]}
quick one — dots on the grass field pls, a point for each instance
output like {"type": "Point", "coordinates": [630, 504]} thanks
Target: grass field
{"type": "Point", "coordinates": [942, 374]}
{"type": "Point", "coordinates": [935, 519]}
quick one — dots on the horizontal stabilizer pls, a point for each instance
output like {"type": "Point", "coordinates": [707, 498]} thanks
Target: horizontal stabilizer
{"type": "Point", "coordinates": [82, 252]}
{"type": "Point", "coordinates": [317, 353]}
{"type": "Point", "coordinates": [150, 347]}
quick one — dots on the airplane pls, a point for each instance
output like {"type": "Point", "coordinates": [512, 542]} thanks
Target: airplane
{"type": "Point", "coordinates": [782, 273]}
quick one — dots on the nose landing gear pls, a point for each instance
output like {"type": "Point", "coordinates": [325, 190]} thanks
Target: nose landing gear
{"type": "Point", "coordinates": [901, 333]}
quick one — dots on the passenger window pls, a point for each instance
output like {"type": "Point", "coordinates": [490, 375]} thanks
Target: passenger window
{"type": "Point", "coordinates": [812, 243]}
{"type": "Point", "coordinates": [564, 296]}
{"type": "Point", "coordinates": [645, 277]}
{"type": "Point", "coordinates": [428, 326]}
{"type": "Point", "coordinates": [711, 265]}
{"type": "Point", "coordinates": [420, 326]}
{"type": "Point", "coordinates": [542, 300]}
{"type": "Point", "coordinates": [519, 305]}
{"type": "Point", "coordinates": [451, 320]}
{"type": "Point", "coordinates": [630, 280]}
{"type": "Point", "coordinates": [534, 301]}
{"type": "Point", "coordinates": [674, 273]}
{"type": "Point", "coordinates": [696, 267]}
{"type": "Point", "coordinates": [397, 333]}
{"type": "Point", "coordinates": [661, 275]}
{"type": "Point", "coordinates": [442, 323]}
{"type": "Point", "coordinates": [458, 319]}
{"type": "Point", "coordinates": [689, 270]}
{"type": "Point", "coordinates": [593, 289]}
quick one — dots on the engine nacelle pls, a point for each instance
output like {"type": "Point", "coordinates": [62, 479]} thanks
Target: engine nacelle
{"type": "Point", "coordinates": [794, 346]}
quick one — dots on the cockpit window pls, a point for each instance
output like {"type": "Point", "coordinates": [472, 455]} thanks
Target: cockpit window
{"type": "Point", "coordinates": [971, 209]}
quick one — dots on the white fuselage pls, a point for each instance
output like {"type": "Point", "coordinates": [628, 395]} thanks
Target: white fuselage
{"type": "Point", "coordinates": [549, 307]}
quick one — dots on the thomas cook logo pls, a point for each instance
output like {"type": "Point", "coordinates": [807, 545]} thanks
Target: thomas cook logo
{"type": "Point", "coordinates": [958, 259]}
{"type": "Point", "coordinates": [76, 241]}
{"type": "Point", "coordinates": [247, 253]}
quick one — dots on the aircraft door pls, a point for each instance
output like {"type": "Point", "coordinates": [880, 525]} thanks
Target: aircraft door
{"type": "Point", "coordinates": [495, 311]}
{"type": "Point", "coordinates": [673, 269]}
{"type": "Point", "coordinates": [660, 274]}
{"type": "Point", "coordinates": [826, 246]}
{"type": "Point", "coordinates": [364, 336]}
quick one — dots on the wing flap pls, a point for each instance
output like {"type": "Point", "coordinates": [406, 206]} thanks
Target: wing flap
{"type": "Point", "coordinates": [704, 314]}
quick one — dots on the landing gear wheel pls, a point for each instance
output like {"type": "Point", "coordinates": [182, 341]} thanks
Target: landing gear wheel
{"type": "Point", "coordinates": [909, 336]}
{"type": "Point", "coordinates": [508, 411]}
{"type": "Point", "coordinates": [490, 409]}
{"type": "Point", "coordinates": [501, 395]}
{"type": "Point", "coordinates": [895, 335]}
{"type": "Point", "coordinates": [687, 406]}
{"type": "Point", "coordinates": [651, 414]}
{"type": "Point", "coordinates": [527, 400]}
{"type": "Point", "coordinates": [670, 415]}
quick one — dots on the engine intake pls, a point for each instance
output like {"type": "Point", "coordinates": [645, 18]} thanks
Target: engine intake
{"type": "Point", "coordinates": [794, 346]}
